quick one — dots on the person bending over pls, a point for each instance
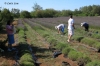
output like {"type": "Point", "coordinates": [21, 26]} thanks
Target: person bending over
{"type": "Point", "coordinates": [85, 25]}
{"type": "Point", "coordinates": [60, 28]}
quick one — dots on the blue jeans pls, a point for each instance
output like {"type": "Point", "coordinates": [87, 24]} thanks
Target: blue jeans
{"type": "Point", "coordinates": [11, 39]}
{"type": "Point", "coordinates": [62, 29]}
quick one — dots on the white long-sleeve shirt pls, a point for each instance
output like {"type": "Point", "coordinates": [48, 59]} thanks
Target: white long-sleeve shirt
{"type": "Point", "coordinates": [70, 24]}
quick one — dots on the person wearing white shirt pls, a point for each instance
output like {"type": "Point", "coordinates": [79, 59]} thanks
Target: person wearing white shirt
{"type": "Point", "coordinates": [70, 28]}
{"type": "Point", "coordinates": [60, 28]}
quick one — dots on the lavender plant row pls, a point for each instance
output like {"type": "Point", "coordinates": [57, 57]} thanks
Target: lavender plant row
{"type": "Point", "coordinates": [20, 24]}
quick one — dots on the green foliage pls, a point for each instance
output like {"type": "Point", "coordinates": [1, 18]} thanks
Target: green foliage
{"type": "Point", "coordinates": [95, 27]}
{"type": "Point", "coordinates": [97, 45]}
{"type": "Point", "coordinates": [36, 7]}
{"type": "Point", "coordinates": [37, 14]}
{"type": "Point", "coordinates": [95, 35]}
{"type": "Point", "coordinates": [15, 13]}
{"type": "Point", "coordinates": [26, 57]}
{"type": "Point", "coordinates": [45, 35]}
{"type": "Point", "coordinates": [52, 41]}
{"type": "Point", "coordinates": [37, 28]}
{"type": "Point", "coordinates": [66, 50]}
{"type": "Point", "coordinates": [93, 10]}
{"type": "Point", "coordinates": [49, 13]}
{"type": "Point", "coordinates": [25, 14]}
{"type": "Point", "coordinates": [66, 12]}
{"type": "Point", "coordinates": [61, 46]}
{"type": "Point", "coordinates": [26, 60]}
{"type": "Point", "coordinates": [73, 55]}
{"type": "Point", "coordinates": [25, 63]}
{"type": "Point", "coordinates": [88, 41]}
{"type": "Point", "coordinates": [5, 16]}
{"type": "Point", "coordinates": [83, 59]}
{"type": "Point", "coordinates": [78, 38]}
{"type": "Point", "coordinates": [94, 63]}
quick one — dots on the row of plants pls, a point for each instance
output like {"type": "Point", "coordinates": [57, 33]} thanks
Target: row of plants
{"type": "Point", "coordinates": [80, 34]}
{"type": "Point", "coordinates": [25, 54]}
{"type": "Point", "coordinates": [66, 49]}
{"type": "Point", "coordinates": [39, 45]}
{"type": "Point", "coordinates": [81, 37]}
{"type": "Point", "coordinates": [88, 38]}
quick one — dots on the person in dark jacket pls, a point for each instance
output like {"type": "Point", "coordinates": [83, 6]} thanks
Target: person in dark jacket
{"type": "Point", "coordinates": [85, 25]}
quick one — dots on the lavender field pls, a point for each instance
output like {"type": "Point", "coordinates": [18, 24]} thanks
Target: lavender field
{"type": "Point", "coordinates": [84, 49]}
{"type": "Point", "coordinates": [93, 21]}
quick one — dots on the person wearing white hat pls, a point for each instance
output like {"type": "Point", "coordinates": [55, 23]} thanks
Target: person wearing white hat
{"type": "Point", "coordinates": [85, 25]}
{"type": "Point", "coordinates": [60, 28]}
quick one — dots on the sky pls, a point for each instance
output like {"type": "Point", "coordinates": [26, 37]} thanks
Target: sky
{"type": "Point", "coordinates": [46, 4]}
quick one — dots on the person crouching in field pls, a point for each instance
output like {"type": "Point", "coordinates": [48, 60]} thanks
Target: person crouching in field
{"type": "Point", "coordinates": [10, 35]}
{"type": "Point", "coordinates": [85, 25]}
{"type": "Point", "coordinates": [60, 28]}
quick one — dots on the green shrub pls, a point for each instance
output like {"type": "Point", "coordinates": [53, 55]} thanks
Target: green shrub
{"type": "Point", "coordinates": [52, 41]}
{"type": "Point", "coordinates": [45, 35]}
{"type": "Point", "coordinates": [61, 46]}
{"type": "Point", "coordinates": [19, 28]}
{"type": "Point", "coordinates": [26, 60]}
{"type": "Point", "coordinates": [88, 41]}
{"type": "Point", "coordinates": [93, 63]}
{"type": "Point", "coordinates": [26, 57]}
{"type": "Point", "coordinates": [38, 27]}
{"type": "Point", "coordinates": [97, 45]}
{"type": "Point", "coordinates": [26, 63]}
{"type": "Point", "coordinates": [66, 50]}
{"type": "Point", "coordinates": [83, 59]}
{"type": "Point", "coordinates": [78, 38]}
{"type": "Point", "coordinates": [97, 36]}
{"type": "Point", "coordinates": [73, 55]}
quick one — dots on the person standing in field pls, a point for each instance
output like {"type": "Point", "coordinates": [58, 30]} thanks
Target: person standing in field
{"type": "Point", "coordinates": [10, 35]}
{"type": "Point", "coordinates": [60, 28]}
{"type": "Point", "coordinates": [85, 25]}
{"type": "Point", "coordinates": [71, 28]}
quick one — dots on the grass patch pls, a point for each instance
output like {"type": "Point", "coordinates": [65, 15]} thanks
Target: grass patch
{"type": "Point", "coordinates": [88, 41]}
{"type": "Point", "coordinates": [61, 46]}
{"type": "Point", "coordinates": [94, 63]}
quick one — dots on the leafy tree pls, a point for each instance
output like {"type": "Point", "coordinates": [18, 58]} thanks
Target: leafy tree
{"type": "Point", "coordinates": [25, 14]}
{"type": "Point", "coordinates": [37, 14]}
{"type": "Point", "coordinates": [15, 13]}
{"type": "Point", "coordinates": [93, 10]}
{"type": "Point", "coordinates": [37, 7]}
{"type": "Point", "coordinates": [66, 12]}
{"type": "Point", "coordinates": [5, 16]}
{"type": "Point", "coordinates": [49, 13]}
{"type": "Point", "coordinates": [37, 11]}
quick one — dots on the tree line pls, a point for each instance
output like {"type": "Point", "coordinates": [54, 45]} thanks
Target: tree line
{"type": "Point", "coordinates": [38, 12]}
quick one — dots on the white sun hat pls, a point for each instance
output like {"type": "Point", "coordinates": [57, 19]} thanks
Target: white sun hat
{"type": "Point", "coordinates": [55, 27]}
{"type": "Point", "coordinates": [81, 24]}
